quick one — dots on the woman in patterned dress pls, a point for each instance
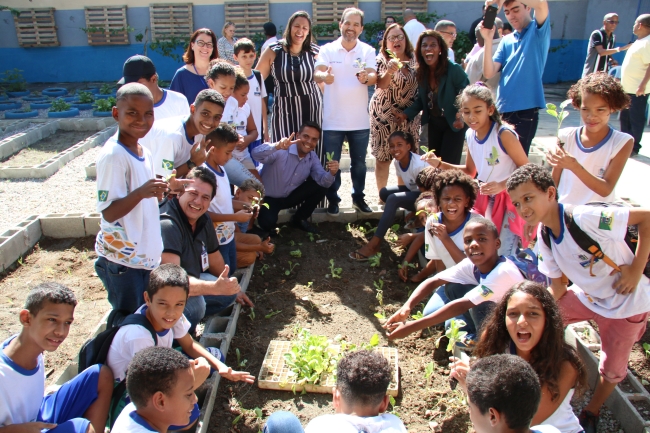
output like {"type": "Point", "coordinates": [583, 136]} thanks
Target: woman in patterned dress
{"type": "Point", "coordinates": [290, 62]}
{"type": "Point", "coordinates": [396, 89]}
{"type": "Point", "coordinates": [226, 43]}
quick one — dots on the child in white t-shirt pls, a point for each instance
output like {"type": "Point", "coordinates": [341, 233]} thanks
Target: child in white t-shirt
{"type": "Point", "coordinates": [492, 275]}
{"type": "Point", "coordinates": [244, 124]}
{"type": "Point", "coordinates": [612, 289]}
{"type": "Point", "coordinates": [494, 152]}
{"type": "Point", "coordinates": [587, 166]}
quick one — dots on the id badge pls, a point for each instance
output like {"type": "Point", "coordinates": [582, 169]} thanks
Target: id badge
{"type": "Point", "coordinates": [204, 259]}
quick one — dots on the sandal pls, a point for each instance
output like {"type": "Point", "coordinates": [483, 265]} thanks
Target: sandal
{"type": "Point", "coordinates": [357, 256]}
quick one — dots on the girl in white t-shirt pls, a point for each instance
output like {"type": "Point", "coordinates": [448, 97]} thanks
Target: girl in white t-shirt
{"type": "Point", "coordinates": [589, 159]}
{"type": "Point", "coordinates": [494, 152]}
{"type": "Point", "coordinates": [527, 322]}
{"type": "Point", "coordinates": [407, 166]}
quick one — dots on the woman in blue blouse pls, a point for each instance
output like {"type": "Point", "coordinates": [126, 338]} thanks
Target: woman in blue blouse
{"type": "Point", "coordinates": [190, 79]}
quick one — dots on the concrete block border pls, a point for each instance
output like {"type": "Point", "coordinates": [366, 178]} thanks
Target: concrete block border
{"type": "Point", "coordinates": [105, 127]}
{"type": "Point", "coordinates": [620, 402]}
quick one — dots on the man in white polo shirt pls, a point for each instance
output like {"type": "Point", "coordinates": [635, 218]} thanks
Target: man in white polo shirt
{"type": "Point", "coordinates": [347, 66]}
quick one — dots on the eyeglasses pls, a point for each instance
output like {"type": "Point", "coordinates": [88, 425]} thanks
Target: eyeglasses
{"type": "Point", "coordinates": [204, 44]}
{"type": "Point", "coordinates": [611, 21]}
{"type": "Point", "coordinates": [453, 35]}
{"type": "Point", "coordinates": [395, 38]}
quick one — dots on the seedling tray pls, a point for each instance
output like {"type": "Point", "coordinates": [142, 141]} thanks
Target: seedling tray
{"type": "Point", "coordinates": [275, 374]}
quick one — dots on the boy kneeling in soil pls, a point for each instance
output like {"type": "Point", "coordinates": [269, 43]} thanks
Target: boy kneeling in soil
{"type": "Point", "coordinates": [492, 276]}
{"type": "Point", "coordinates": [165, 300]}
{"type": "Point", "coordinates": [503, 393]}
{"type": "Point", "coordinates": [359, 400]}
{"type": "Point", "coordinates": [610, 289]}
{"type": "Point", "coordinates": [160, 383]}
{"type": "Point", "coordinates": [79, 405]}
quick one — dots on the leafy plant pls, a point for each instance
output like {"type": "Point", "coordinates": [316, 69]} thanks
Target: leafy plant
{"type": "Point", "coordinates": [462, 45]}
{"type": "Point", "coordinates": [291, 267]}
{"type": "Point", "coordinates": [312, 237]}
{"type": "Point", "coordinates": [374, 260]}
{"type": "Point", "coordinates": [395, 228]}
{"type": "Point", "coordinates": [106, 89]}
{"type": "Point", "coordinates": [380, 316]}
{"type": "Point", "coordinates": [391, 400]}
{"type": "Point", "coordinates": [240, 362]}
{"type": "Point", "coordinates": [335, 272]}
{"type": "Point", "coordinates": [279, 229]}
{"type": "Point", "coordinates": [252, 314]}
{"type": "Point", "coordinates": [59, 105]}
{"type": "Point", "coordinates": [272, 313]}
{"type": "Point", "coordinates": [406, 265]}
{"type": "Point", "coordinates": [13, 80]}
{"type": "Point", "coordinates": [295, 253]}
{"type": "Point", "coordinates": [559, 115]}
{"type": "Point", "coordinates": [264, 268]}
{"type": "Point", "coordinates": [492, 160]}
{"type": "Point", "coordinates": [428, 370]}
{"type": "Point", "coordinates": [329, 156]}
{"type": "Point", "coordinates": [454, 334]}
{"type": "Point", "coordinates": [379, 287]}
{"type": "Point", "coordinates": [372, 343]}
{"type": "Point", "coordinates": [86, 97]}
{"type": "Point", "coordinates": [417, 316]}
{"type": "Point", "coordinates": [310, 284]}
{"type": "Point", "coordinates": [393, 56]}
{"type": "Point", "coordinates": [646, 348]}
{"type": "Point", "coordinates": [359, 64]}
{"type": "Point", "coordinates": [291, 243]}
{"type": "Point", "coordinates": [104, 104]}
{"type": "Point", "coordinates": [171, 47]}
{"type": "Point", "coordinates": [370, 229]}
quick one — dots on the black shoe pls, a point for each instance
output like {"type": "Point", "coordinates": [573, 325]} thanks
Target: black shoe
{"type": "Point", "coordinates": [333, 208]}
{"type": "Point", "coordinates": [361, 206]}
{"type": "Point", "coordinates": [304, 225]}
{"type": "Point", "coordinates": [588, 421]}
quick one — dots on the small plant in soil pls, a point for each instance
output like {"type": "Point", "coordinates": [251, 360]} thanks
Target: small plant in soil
{"type": "Point", "coordinates": [559, 115]}
{"type": "Point", "coordinates": [240, 362]}
{"type": "Point", "coordinates": [59, 105]}
{"type": "Point", "coordinates": [279, 229]}
{"type": "Point", "coordinates": [428, 370]}
{"type": "Point", "coordinates": [370, 229]}
{"type": "Point", "coordinates": [311, 359]}
{"type": "Point", "coordinates": [104, 105]}
{"type": "Point", "coordinates": [455, 335]}
{"type": "Point", "coordinates": [272, 313]}
{"type": "Point", "coordinates": [291, 267]}
{"type": "Point", "coordinates": [417, 316]}
{"type": "Point", "coordinates": [406, 265]}
{"type": "Point", "coordinates": [379, 288]}
{"type": "Point", "coordinates": [646, 349]}
{"type": "Point", "coordinates": [105, 89]}
{"type": "Point", "coordinates": [313, 237]}
{"type": "Point", "coordinates": [264, 268]}
{"type": "Point", "coordinates": [335, 272]}
{"type": "Point", "coordinates": [310, 285]}
{"type": "Point", "coordinates": [295, 253]}
{"type": "Point", "coordinates": [251, 315]}
{"type": "Point", "coordinates": [86, 97]}
{"type": "Point", "coordinates": [375, 260]}
{"type": "Point", "coordinates": [13, 80]}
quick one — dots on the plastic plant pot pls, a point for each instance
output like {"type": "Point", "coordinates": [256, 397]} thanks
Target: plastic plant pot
{"type": "Point", "coordinates": [3, 97]}
{"type": "Point", "coordinates": [98, 96]}
{"type": "Point", "coordinates": [18, 94]}
{"type": "Point", "coordinates": [55, 91]}
{"type": "Point", "coordinates": [20, 114]}
{"type": "Point", "coordinates": [10, 106]}
{"type": "Point", "coordinates": [82, 106]}
{"type": "Point", "coordinates": [40, 105]}
{"type": "Point", "coordinates": [62, 114]}
{"type": "Point", "coordinates": [34, 98]}
{"type": "Point", "coordinates": [102, 113]}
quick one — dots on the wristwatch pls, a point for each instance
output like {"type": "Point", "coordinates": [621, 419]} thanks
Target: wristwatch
{"type": "Point", "coordinates": [190, 164]}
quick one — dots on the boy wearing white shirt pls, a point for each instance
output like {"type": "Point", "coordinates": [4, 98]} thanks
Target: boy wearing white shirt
{"type": "Point", "coordinates": [616, 298]}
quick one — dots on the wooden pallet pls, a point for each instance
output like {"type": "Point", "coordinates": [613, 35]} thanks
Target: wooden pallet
{"type": "Point", "coordinates": [396, 7]}
{"type": "Point", "coordinates": [275, 374]}
{"type": "Point", "coordinates": [110, 24]}
{"type": "Point", "coordinates": [330, 11]}
{"type": "Point", "coordinates": [36, 28]}
{"type": "Point", "coordinates": [249, 17]}
{"type": "Point", "coordinates": [171, 20]}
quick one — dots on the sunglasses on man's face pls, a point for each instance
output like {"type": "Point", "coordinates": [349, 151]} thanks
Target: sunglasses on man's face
{"type": "Point", "coordinates": [611, 22]}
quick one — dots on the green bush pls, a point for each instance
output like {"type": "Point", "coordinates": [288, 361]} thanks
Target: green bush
{"type": "Point", "coordinates": [462, 46]}
{"type": "Point", "coordinates": [104, 104]}
{"type": "Point", "coordinates": [106, 89]}
{"type": "Point", "coordinates": [86, 97]}
{"type": "Point", "coordinates": [59, 105]}
{"type": "Point", "coordinates": [13, 81]}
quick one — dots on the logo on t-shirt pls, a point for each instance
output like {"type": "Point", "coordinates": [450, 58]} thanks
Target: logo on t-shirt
{"type": "Point", "coordinates": [102, 195]}
{"type": "Point", "coordinates": [493, 157]}
{"type": "Point", "coordinates": [167, 165]}
{"type": "Point", "coordinates": [606, 220]}
{"type": "Point", "coordinates": [486, 292]}
{"type": "Point", "coordinates": [601, 172]}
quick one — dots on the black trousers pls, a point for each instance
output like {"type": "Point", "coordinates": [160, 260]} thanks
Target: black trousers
{"type": "Point", "coordinates": [447, 143]}
{"type": "Point", "coordinates": [306, 197]}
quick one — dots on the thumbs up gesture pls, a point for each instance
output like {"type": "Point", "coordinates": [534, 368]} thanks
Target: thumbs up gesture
{"type": "Point", "coordinates": [224, 285]}
{"type": "Point", "coordinates": [329, 78]}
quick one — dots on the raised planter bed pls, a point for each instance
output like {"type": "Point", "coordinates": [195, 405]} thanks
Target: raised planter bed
{"type": "Point", "coordinates": [102, 113]}
{"type": "Point", "coordinates": [55, 91]}
{"type": "Point", "coordinates": [9, 106]}
{"type": "Point", "coordinates": [34, 98]}
{"type": "Point", "coordinates": [20, 114]}
{"type": "Point", "coordinates": [63, 114]}
{"type": "Point", "coordinates": [19, 94]}
{"type": "Point", "coordinates": [82, 105]}
{"type": "Point", "coordinates": [101, 96]}
{"type": "Point", "coordinates": [42, 105]}
{"type": "Point", "coordinates": [93, 90]}
{"type": "Point", "coordinates": [72, 98]}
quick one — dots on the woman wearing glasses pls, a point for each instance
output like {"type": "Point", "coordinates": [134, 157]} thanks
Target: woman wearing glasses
{"type": "Point", "coordinates": [439, 83]}
{"type": "Point", "coordinates": [290, 62]}
{"type": "Point", "coordinates": [226, 43]}
{"type": "Point", "coordinates": [189, 79]}
{"type": "Point", "coordinates": [396, 88]}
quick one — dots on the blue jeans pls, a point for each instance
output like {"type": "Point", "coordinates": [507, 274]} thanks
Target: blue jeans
{"type": "Point", "coordinates": [525, 123]}
{"type": "Point", "coordinates": [394, 197]}
{"type": "Point", "coordinates": [283, 422]}
{"type": "Point", "coordinates": [358, 141]}
{"type": "Point", "coordinates": [633, 119]}
{"type": "Point", "coordinates": [125, 286]}
{"type": "Point", "coordinates": [197, 307]}
{"type": "Point", "coordinates": [229, 254]}
{"type": "Point", "coordinates": [439, 299]}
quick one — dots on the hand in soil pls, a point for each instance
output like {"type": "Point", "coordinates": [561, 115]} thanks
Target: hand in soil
{"type": "Point", "coordinates": [236, 376]}
{"type": "Point", "coordinates": [629, 279]}
{"type": "Point", "coordinates": [224, 285]}
{"type": "Point", "coordinates": [399, 317]}
{"type": "Point", "coordinates": [405, 240]}
{"type": "Point", "coordinates": [152, 188]}
{"type": "Point", "coordinates": [244, 300]}
{"type": "Point", "coordinates": [403, 273]}
{"type": "Point", "coordinates": [459, 370]}
{"type": "Point", "coordinates": [201, 369]}
{"type": "Point", "coordinates": [398, 330]}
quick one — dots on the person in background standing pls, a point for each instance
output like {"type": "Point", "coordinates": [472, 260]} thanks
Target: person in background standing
{"type": "Point", "coordinates": [448, 31]}
{"type": "Point", "coordinates": [226, 43]}
{"type": "Point", "coordinates": [635, 77]}
{"type": "Point", "coordinates": [601, 47]}
{"type": "Point", "coordinates": [190, 79]}
{"type": "Point", "coordinates": [412, 26]}
{"type": "Point", "coordinates": [389, 21]}
{"type": "Point", "coordinates": [474, 68]}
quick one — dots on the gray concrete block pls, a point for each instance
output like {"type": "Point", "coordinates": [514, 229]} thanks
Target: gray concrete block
{"type": "Point", "coordinates": [63, 225]}
{"type": "Point", "coordinates": [91, 223]}
{"type": "Point", "coordinates": [31, 231]}
{"type": "Point", "coordinates": [19, 141]}
{"type": "Point", "coordinates": [15, 242]}
{"type": "Point", "coordinates": [91, 171]}
{"type": "Point", "coordinates": [86, 123]}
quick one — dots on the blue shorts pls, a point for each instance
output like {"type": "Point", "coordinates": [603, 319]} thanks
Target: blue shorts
{"type": "Point", "coordinates": [68, 404]}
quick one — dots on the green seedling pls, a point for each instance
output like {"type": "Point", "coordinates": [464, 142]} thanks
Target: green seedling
{"type": "Point", "coordinates": [279, 229]}
{"type": "Point", "coordinates": [406, 265]}
{"type": "Point", "coordinates": [335, 272]}
{"type": "Point", "coordinates": [395, 228]}
{"type": "Point", "coordinates": [379, 288]}
{"type": "Point", "coordinates": [559, 115]}
{"type": "Point", "coordinates": [417, 316]}
{"type": "Point", "coordinates": [291, 243]}
{"type": "Point", "coordinates": [240, 362]}
{"type": "Point", "coordinates": [374, 260]}
{"type": "Point", "coordinates": [391, 400]}
{"type": "Point", "coordinates": [349, 228]}
{"type": "Point", "coordinates": [329, 156]}
{"type": "Point", "coordinates": [252, 314]}
{"type": "Point", "coordinates": [312, 237]}
{"type": "Point", "coordinates": [264, 268]}
{"type": "Point", "coordinates": [257, 201]}
{"type": "Point", "coordinates": [372, 343]}
{"type": "Point", "coordinates": [359, 64]}
{"type": "Point", "coordinates": [380, 316]}
{"type": "Point", "coordinates": [295, 253]}
{"type": "Point", "coordinates": [454, 334]}
{"type": "Point", "coordinates": [310, 285]}
{"type": "Point", "coordinates": [59, 105]}
{"type": "Point", "coordinates": [104, 105]}
{"type": "Point", "coordinates": [272, 313]}
{"type": "Point", "coordinates": [236, 420]}
{"type": "Point", "coordinates": [492, 160]}
{"type": "Point", "coordinates": [646, 348]}
{"type": "Point", "coordinates": [291, 267]}
{"type": "Point", "coordinates": [105, 89]}
{"type": "Point", "coordinates": [393, 56]}
{"type": "Point", "coordinates": [370, 229]}
{"type": "Point", "coordinates": [85, 97]}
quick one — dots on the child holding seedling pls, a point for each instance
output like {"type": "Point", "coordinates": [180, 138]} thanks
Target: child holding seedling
{"type": "Point", "coordinates": [610, 283]}
{"type": "Point", "coordinates": [424, 206]}
{"type": "Point", "coordinates": [250, 246]}
{"type": "Point", "coordinates": [494, 152]}
{"type": "Point", "coordinates": [527, 322]}
{"type": "Point", "coordinates": [490, 274]}
{"type": "Point", "coordinates": [589, 159]}
{"type": "Point", "coordinates": [407, 166]}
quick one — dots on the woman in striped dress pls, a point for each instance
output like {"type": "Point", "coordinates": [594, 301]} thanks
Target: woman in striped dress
{"type": "Point", "coordinates": [290, 62]}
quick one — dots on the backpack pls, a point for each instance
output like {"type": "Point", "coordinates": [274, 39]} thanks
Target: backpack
{"type": "Point", "coordinates": [586, 243]}
{"type": "Point", "coordinates": [95, 350]}
{"type": "Point", "coordinates": [528, 266]}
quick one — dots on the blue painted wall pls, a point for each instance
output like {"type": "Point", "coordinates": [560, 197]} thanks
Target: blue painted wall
{"type": "Point", "coordinates": [74, 61]}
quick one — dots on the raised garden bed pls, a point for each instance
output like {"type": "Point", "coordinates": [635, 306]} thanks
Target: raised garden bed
{"type": "Point", "coordinates": [9, 106]}
{"type": "Point", "coordinates": [55, 91]}
{"type": "Point", "coordinates": [18, 94]}
{"type": "Point", "coordinates": [46, 148]}
{"type": "Point", "coordinates": [72, 112]}
{"type": "Point", "coordinates": [20, 114]}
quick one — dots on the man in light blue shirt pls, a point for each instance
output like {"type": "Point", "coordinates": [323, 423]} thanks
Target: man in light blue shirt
{"type": "Point", "coordinates": [293, 176]}
{"type": "Point", "coordinates": [520, 57]}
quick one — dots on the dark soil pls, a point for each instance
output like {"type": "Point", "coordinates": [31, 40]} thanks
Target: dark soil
{"type": "Point", "coordinates": [66, 261]}
{"type": "Point", "coordinates": [639, 362]}
{"type": "Point", "coordinates": [46, 148]}
{"type": "Point", "coordinates": [330, 306]}
{"type": "Point", "coordinates": [643, 407]}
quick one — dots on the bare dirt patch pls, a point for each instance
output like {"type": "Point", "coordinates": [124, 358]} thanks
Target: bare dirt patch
{"type": "Point", "coordinates": [331, 306]}
{"type": "Point", "coordinates": [66, 261]}
{"type": "Point", "coordinates": [46, 148]}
